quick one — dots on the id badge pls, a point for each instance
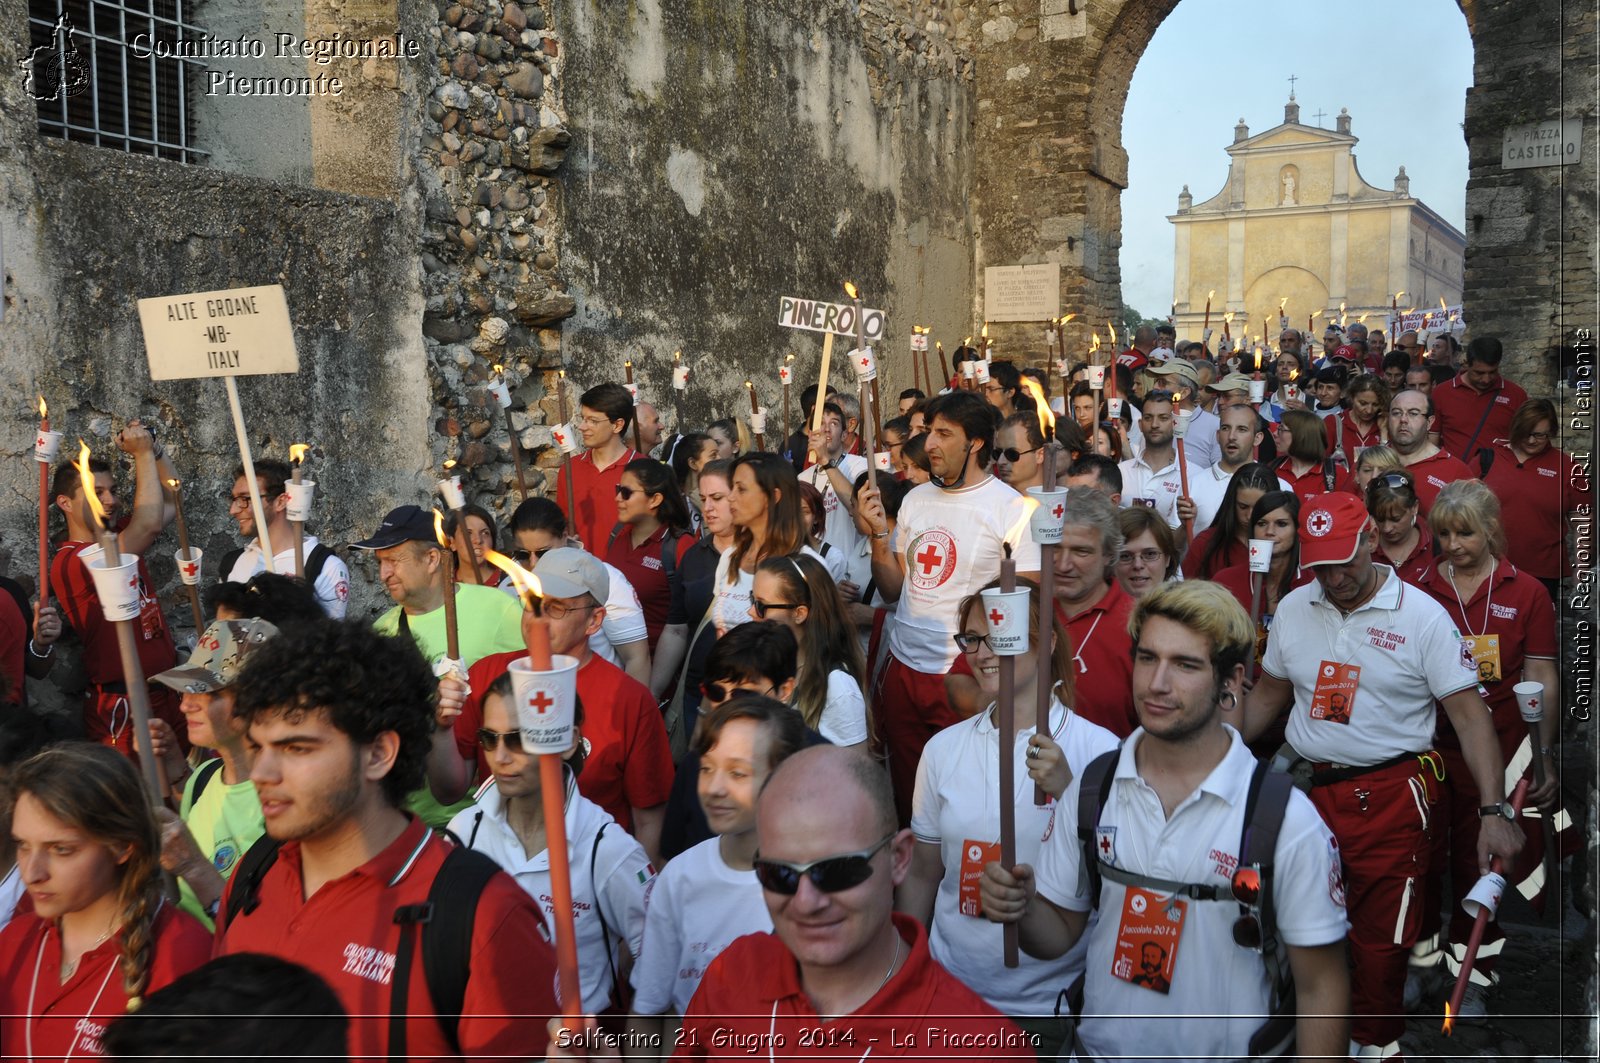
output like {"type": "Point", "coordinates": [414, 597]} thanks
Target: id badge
{"type": "Point", "coordinates": [1147, 939]}
{"type": "Point", "coordinates": [1147, 501]}
{"type": "Point", "coordinates": [1335, 694]}
{"type": "Point", "coordinates": [1485, 656]}
{"type": "Point", "coordinates": [974, 855]}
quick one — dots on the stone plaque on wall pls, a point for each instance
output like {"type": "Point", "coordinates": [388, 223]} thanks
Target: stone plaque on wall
{"type": "Point", "coordinates": [1553, 143]}
{"type": "Point", "coordinates": [1022, 293]}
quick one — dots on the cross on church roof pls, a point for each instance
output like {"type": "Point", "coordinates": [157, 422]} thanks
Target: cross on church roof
{"type": "Point", "coordinates": [1319, 116]}
{"type": "Point", "coordinates": [1292, 79]}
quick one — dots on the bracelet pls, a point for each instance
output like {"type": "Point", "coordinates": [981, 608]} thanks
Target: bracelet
{"type": "Point", "coordinates": [46, 655]}
{"type": "Point", "coordinates": [880, 535]}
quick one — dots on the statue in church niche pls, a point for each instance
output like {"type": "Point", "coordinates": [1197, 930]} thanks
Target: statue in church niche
{"type": "Point", "coordinates": [1289, 188]}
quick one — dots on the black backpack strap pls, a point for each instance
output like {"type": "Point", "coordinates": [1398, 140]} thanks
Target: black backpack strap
{"type": "Point", "coordinates": [253, 867]}
{"type": "Point", "coordinates": [229, 559]}
{"type": "Point", "coordinates": [669, 553]}
{"type": "Point", "coordinates": [1094, 788]}
{"type": "Point", "coordinates": [600, 911]}
{"type": "Point", "coordinates": [1485, 460]}
{"type": "Point", "coordinates": [616, 530]}
{"type": "Point", "coordinates": [447, 936]}
{"type": "Point", "coordinates": [1466, 453]}
{"type": "Point", "coordinates": [1268, 801]}
{"type": "Point", "coordinates": [318, 557]}
{"type": "Point", "coordinates": [202, 777]}
{"type": "Point", "coordinates": [1329, 476]}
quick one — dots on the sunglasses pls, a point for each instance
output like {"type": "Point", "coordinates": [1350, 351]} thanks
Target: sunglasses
{"type": "Point", "coordinates": [720, 692]}
{"type": "Point", "coordinates": [763, 608]}
{"type": "Point", "coordinates": [1396, 481]}
{"type": "Point", "coordinates": [490, 740]}
{"type": "Point", "coordinates": [1246, 887]}
{"type": "Point", "coordinates": [1013, 455]}
{"type": "Point", "coordinates": [626, 493]}
{"type": "Point", "coordinates": [831, 874]}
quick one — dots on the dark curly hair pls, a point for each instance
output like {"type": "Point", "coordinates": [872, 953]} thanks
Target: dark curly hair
{"type": "Point", "coordinates": [367, 683]}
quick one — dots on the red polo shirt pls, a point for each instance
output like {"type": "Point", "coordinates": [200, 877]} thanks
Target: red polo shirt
{"type": "Point", "coordinates": [1234, 553]}
{"type": "Point", "coordinates": [346, 933]}
{"type": "Point", "coordinates": [645, 569]}
{"type": "Point", "coordinates": [1414, 565]}
{"type": "Point", "coordinates": [1537, 496]}
{"type": "Point", "coordinates": [1354, 440]}
{"type": "Point", "coordinates": [594, 493]}
{"type": "Point", "coordinates": [1102, 656]}
{"type": "Point", "coordinates": [1432, 475]}
{"type": "Point", "coordinates": [1314, 481]}
{"type": "Point", "coordinates": [629, 764]}
{"type": "Point", "coordinates": [1512, 605]}
{"type": "Point", "coordinates": [751, 996]}
{"type": "Point", "coordinates": [1459, 409]}
{"type": "Point", "coordinates": [80, 608]}
{"type": "Point", "coordinates": [1133, 358]}
{"type": "Point", "coordinates": [43, 1019]}
{"type": "Point", "coordinates": [13, 640]}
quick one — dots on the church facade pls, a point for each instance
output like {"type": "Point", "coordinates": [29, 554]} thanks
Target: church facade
{"type": "Point", "coordinates": [1296, 224]}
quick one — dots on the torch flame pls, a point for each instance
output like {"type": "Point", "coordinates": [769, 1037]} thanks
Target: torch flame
{"type": "Point", "coordinates": [1362, 320]}
{"type": "Point", "coordinates": [438, 528]}
{"type": "Point", "coordinates": [1014, 533]}
{"type": "Point", "coordinates": [499, 369]}
{"type": "Point", "coordinates": [1443, 307]}
{"type": "Point", "coordinates": [985, 332]}
{"type": "Point", "coordinates": [790, 358]}
{"type": "Point", "coordinates": [850, 290]}
{"type": "Point", "coordinates": [44, 411]}
{"type": "Point", "coordinates": [1397, 295]}
{"type": "Point", "coordinates": [749, 385]}
{"type": "Point", "coordinates": [1047, 418]}
{"type": "Point", "coordinates": [1094, 347]}
{"type": "Point", "coordinates": [967, 342]}
{"type": "Point", "coordinates": [1258, 359]}
{"type": "Point", "coordinates": [1283, 303]}
{"type": "Point", "coordinates": [1294, 374]}
{"type": "Point", "coordinates": [1067, 318]}
{"type": "Point", "coordinates": [526, 583]}
{"type": "Point", "coordinates": [1449, 1021]}
{"type": "Point", "coordinates": [297, 452]}
{"type": "Point", "coordinates": [1212, 294]}
{"type": "Point", "coordinates": [86, 478]}
{"type": "Point", "coordinates": [1228, 317]}
{"type": "Point", "coordinates": [1113, 329]}
{"type": "Point", "coordinates": [1410, 310]}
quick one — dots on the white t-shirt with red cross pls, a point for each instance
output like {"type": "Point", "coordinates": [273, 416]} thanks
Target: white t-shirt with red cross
{"type": "Point", "coordinates": [951, 544]}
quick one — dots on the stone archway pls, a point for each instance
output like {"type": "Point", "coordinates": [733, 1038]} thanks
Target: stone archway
{"type": "Point", "coordinates": [1052, 84]}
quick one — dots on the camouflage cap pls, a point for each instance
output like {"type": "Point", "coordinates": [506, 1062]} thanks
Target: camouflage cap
{"type": "Point", "coordinates": [216, 660]}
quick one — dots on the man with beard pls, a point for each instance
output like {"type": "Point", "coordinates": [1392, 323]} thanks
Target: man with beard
{"type": "Point", "coordinates": [951, 535]}
{"type": "Point", "coordinates": [341, 719]}
{"type": "Point", "coordinates": [1152, 479]}
{"type": "Point", "coordinates": [1237, 439]}
{"type": "Point", "coordinates": [1174, 809]}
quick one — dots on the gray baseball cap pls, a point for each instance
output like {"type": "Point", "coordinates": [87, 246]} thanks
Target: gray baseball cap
{"type": "Point", "coordinates": [567, 572]}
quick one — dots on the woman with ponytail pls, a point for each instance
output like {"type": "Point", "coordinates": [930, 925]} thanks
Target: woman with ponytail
{"type": "Point", "coordinates": [101, 935]}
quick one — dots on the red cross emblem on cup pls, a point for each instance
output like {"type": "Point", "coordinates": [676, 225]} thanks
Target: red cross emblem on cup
{"type": "Point", "coordinates": [189, 568]}
{"type": "Point", "coordinates": [560, 436]}
{"type": "Point", "coordinates": [783, 375]}
{"type": "Point", "coordinates": [541, 702]}
{"type": "Point", "coordinates": [1057, 510]}
{"type": "Point", "coordinates": [1533, 703]}
{"type": "Point", "coordinates": [996, 618]}
{"type": "Point", "coordinates": [1320, 523]}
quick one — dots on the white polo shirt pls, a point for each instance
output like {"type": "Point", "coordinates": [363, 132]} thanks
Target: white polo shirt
{"type": "Point", "coordinates": [957, 803]}
{"type": "Point", "coordinates": [839, 529]}
{"type": "Point", "coordinates": [1409, 654]}
{"type": "Point", "coordinates": [950, 543]}
{"type": "Point", "coordinates": [614, 885]}
{"type": "Point", "coordinates": [1200, 441]}
{"type": "Point", "coordinates": [1206, 489]}
{"type": "Point", "coordinates": [1219, 993]}
{"type": "Point", "coordinates": [1156, 487]}
{"type": "Point", "coordinates": [333, 582]}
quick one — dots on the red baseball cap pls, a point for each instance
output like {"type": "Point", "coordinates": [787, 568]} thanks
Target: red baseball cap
{"type": "Point", "coordinates": [1349, 353]}
{"type": "Point", "coordinates": [1330, 528]}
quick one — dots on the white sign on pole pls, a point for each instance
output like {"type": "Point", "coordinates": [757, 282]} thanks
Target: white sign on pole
{"type": "Point", "coordinates": [236, 332]}
{"type": "Point", "coordinates": [1554, 143]}
{"type": "Point", "coordinates": [828, 317]}
{"type": "Point", "coordinates": [1022, 293]}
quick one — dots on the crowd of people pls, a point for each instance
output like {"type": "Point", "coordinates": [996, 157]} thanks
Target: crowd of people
{"type": "Point", "coordinates": [1264, 791]}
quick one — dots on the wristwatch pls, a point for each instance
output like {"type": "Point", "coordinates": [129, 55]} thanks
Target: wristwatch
{"type": "Point", "coordinates": [1503, 809]}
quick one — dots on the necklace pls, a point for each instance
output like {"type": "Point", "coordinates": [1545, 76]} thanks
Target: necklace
{"type": "Point", "coordinates": [1488, 596]}
{"type": "Point", "coordinates": [893, 960]}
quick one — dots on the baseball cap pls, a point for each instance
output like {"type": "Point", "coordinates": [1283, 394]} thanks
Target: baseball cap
{"type": "Point", "coordinates": [1330, 528]}
{"type": "Point", "coordinates": [405, 524]}
{"type": "Point", "coordinates": [1231, 382]}
{"type": "Point", "coordinates": [567, 572]}
{"type": "Point", "coordinates": [218, 656]}
{"type": "Point", "coordinates": [1177, 367]}
{"type": "Point", "coordinates": [1349, 353]}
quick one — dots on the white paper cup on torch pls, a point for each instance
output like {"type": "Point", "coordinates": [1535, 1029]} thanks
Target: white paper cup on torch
{"type": "Point", "coordinates": [301, 495]}
{"type": "Point", "coordinates": [501, 393]}
{"type": "Point", "coordinates": [785, 375]}
{"type": "Point", "coordinates": [981, 368]}
{"type": "Point", "coordinates": [680, 378]}
{"type": "Point", "coordinates": [883, 461]}
{"type": "Point", "coordinates": [1530, 701]}
{"type": "Point", "coordinates": [1485, 895]}
{"type": "Point", "coordinates": [1114, 409]}
{"type": "Point", "coordinates": [566, 437]}
{"type": "Point", "coordinates": [546, 703]}
{"type": "Point", "coordinates": [1181, 429]}
{"type": "Point", "coordinates": [758, 422]}
{"type": "Point", "coordinates": [865, 364]}
{"type": "Point", "coordinates": [1007, 613]}
{"type": "Point", "coordinates": [189, 565]}
{"type": "Point", "coordinates": [1291, 393]}
{"type": "Point", "coordinates": [1258, 392]}
{"type": "Point", "coordinates": [46, 445]}
{"type": "Point", "coordinates": [450, 491]}
{"type": "Point", "coordinates": [1097, 377]}
{"type": "Point", "coordinates": [117, 588]}
{"type": "Point", "coordinates": [1047, 522]}
{"type": "Point", "coordinates": [1063, 367]}
{"type": "Point", "coordinates": [1260, 559]}
{"type": "Point", "coordinates": [969, 368]}
{"type": "Point", "coordinates": [633, 392]}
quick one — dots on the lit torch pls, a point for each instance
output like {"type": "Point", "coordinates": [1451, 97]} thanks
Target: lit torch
{"type": "Point", "coordinates": [1047, 559]}
{"type": "Point", "coordinates": [452, 631]}
{"type": "Point", "coordinates": [502, 396]}
{"type": "Point", "coordinates": [44, 452]}
{"type": "Point", "coordinates": [185, 554]}
{"type": "Point", "coordinates": [297, 457]}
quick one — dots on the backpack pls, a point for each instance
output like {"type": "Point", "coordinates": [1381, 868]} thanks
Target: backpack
{"type": "Point", "coordinates": [313, 569]}
{"type": "Point", "coordinates": [1485, 459]}
{"type": "Point", "coordinates": [669, 549]}
{"type": "Point", "coordinates": [1267, 800]}
{"type": "Point", "coordinates": [445, 919]}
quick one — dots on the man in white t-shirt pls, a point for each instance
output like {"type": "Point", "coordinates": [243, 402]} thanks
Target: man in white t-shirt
{"type": "Point", "coordinates": [1168, 976]}
{"type": "Point", "coordinates": [834, 475]}
{"type": "Point", "coordinates": [1152, 479]}
{"type": "Point", "coordinates": [950, 539]}
{"type": "Point", "coordinates": [1238, 434]}
{"type": "Point", "coordinates": [325, 570]}
{"type": "Point", "coordinates": [1361, 660]}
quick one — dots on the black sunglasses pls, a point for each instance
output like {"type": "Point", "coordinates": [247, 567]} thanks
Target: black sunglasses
{"type": "Point", "coordinates": [625, 493]}
{"type": "Point", "coordinates": [1013, 455]}
{"type": "Point", "coordinates": [1246, 887]}
{"type": "Point", "coordinates": [720, 692]}
{"type": "Point", "coordinates": [763, 608]}
{"type": "Point", "coordinates": [490, 740]}
{"type": "Point", "coordinates": [830, 875]}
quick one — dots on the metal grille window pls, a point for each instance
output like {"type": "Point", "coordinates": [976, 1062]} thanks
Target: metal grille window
{"type": "Point", "coordinates": [109, 73]}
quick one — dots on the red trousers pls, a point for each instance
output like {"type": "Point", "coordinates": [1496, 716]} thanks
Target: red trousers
{"type": "Point", "coordinates": [909, 707]}
{"type": "Point", "coordinates": [1381, 823]}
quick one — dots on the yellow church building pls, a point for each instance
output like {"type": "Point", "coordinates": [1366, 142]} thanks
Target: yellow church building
{"type": "Point", "coordinates": [1296, 224]}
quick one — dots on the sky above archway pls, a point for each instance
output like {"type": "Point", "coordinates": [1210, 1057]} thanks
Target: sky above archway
{"type": "Point", "coordinates": [1402, 67]}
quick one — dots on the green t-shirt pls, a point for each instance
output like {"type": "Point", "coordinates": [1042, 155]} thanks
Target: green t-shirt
{"type": "Point", "coordinates": [225, 821]}
{"type": "Point", "coordinates": [487, 622]}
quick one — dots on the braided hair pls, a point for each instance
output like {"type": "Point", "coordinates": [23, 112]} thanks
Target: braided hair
{"type": "Point", "coordinates": [98, 791]}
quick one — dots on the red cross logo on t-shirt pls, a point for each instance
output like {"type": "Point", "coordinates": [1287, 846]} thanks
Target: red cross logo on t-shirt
{"type": "Point", "coordinates": [541, 702]}
{"type": "Point", "coordinates": [1105, 845]}
{"type": "Point", "coordinates": [930, 558]}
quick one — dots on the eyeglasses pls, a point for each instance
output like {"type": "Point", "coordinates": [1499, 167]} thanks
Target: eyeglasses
{"type": "Point", "coordinates": [720, 692]}
{"type": "Point", "coordinates": [1246, 887]}
{"type": "Point", "coordinates": [763, 608]}
{"type": "Point", "coordinates": [626, 493]}
{"type": "Point", "coordinates": [490, 740]}
{"type": "Point", "coordinates": [1146, 557]}
{"type": "Point", "coordinates": [558, 611]}
{"type": "Point", "coordinates": [1013, 455]}
{"type": "Point", "coordinates": [968, 642]}
{"type": "Point", "coordinates": [1538, 435]}
{"type": "Point", "coordinates": [241, 501]}
{"type": "Point", "coordinates": [831, 874]}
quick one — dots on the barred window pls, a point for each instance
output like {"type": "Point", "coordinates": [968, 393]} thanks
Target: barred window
{"type": "Point", "coordinates": [102, 72]}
